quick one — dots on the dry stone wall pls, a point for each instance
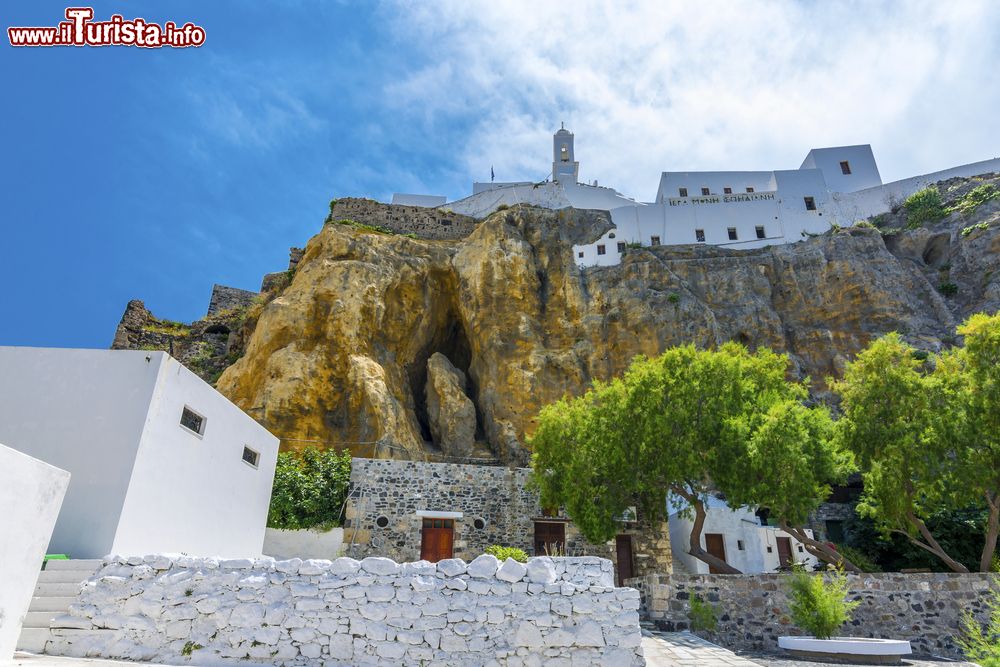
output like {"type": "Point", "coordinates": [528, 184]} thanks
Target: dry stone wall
{"type": "Point", "coordinates": [426, 223]}
{"type": "Point", "coordinates": [752, 610]}
{"type": "Point", "coordinates": [182, 610]}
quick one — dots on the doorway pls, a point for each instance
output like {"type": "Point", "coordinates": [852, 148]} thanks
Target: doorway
{"type": "Point", "coordinates": [715, 544]}
{"type": "Point", "coordinates": [550, 538]}
{"type": "Point", "coordinates": [437, 539]}
{"type": "Point", "coordinates": [626, 560]}
{"type": "Point", "coordinates": [784, 552]}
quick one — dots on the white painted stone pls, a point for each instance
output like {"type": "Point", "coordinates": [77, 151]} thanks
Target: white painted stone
{"type": "Point", "coordinates": [484, 566]}
{"type": "Point", "coordinates": [345, 566]}
{"type": "Point", "coordinates": [379, 565]}
{"type": "Point", "coordinates": [314, 566]}
{"type": "Point", "coordinates": [452, 567]}
{"type": "Point", "coordinates": [511, 571]}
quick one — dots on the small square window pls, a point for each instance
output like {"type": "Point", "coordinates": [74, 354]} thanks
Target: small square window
{"type": "Point", "coordinates": [770, 550]}
{"type": "Point", "coordinates": [810, 203]}
{"type": "Point", "coordinates": [621, 246]}
{"type": "Point", "coordinates": [800, 549]}
{"type": "Point", "coordinates": [683, 192]}
{"type": "Point", "coordinates": [749, 189]}
{"type": "Point", "coordinates": [845, 168]}
{"type": "Point", "coordinates": [192, 421]}
{"type": "Point", "coordinates": [739, 545]}
{"type": "Point", "coordinates": [699, 235]}
{"type": "Point", "coordinates": [654, 240]}
{"type": "Point", "coordinates": [600, 249]}
{"type": "Point", "coordinates": [761, 234]}
{"type": "Point", "coordinates": [727, 191]}
{"type": "Point", "coordinates": [705, 192]}
{"type": "Point", "coordinates": [250, 456]}
{"type": "Point", "coordinates": [580, 254]}
{"type": "Point", "coordinates": [732, 234]}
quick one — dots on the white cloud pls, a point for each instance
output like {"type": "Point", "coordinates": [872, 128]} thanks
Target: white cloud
{"type": "Point", "coordinates": [658, 86]}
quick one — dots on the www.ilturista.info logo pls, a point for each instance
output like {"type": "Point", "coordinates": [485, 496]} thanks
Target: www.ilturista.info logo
{"type": "Point", "coordinates": [80, 30]}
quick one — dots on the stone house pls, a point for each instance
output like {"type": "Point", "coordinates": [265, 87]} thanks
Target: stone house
{"type": "Point", "coordinates": [410, 510]}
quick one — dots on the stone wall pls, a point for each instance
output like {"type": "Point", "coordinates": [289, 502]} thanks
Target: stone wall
{"type": "Point", "coordinates": [229, 298]}
{"type": "Point", "coordinates": [496, 498]}
{"type": "Point", "coordinates": [752, 610]}
{"type": "Point", "coordinates": [374, 612]}
{"type": "Point", "coordinates": [426, 223]}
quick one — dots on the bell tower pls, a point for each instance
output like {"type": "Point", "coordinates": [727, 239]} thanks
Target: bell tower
{"type": "Point", "coordinates": [564, 168]}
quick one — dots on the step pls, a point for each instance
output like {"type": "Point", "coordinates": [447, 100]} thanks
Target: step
{"type": "Point", "coordinates": [40, 619]}
{"type": "Point", "coordinates": [88, 564]}
{"type": "Point", "coordinates": [51, 604]}
{"type": "Point", "coordinates": [63, 576]}
{"type": "Point", "coordinates": [33, 640]}
{"type": "Point", "coordinates": [60, 590]}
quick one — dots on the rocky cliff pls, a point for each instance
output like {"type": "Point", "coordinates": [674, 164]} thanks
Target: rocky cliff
{"type": "Point", "coordinates": [376, 336]}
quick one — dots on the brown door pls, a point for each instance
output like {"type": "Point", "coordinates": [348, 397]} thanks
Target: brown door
{"type": "Point", "coordinates": [784, 551]}
{"type": "Point", "coordinates": [437, 539]}
{"type": "Point", "coordinates": [550, 538]}
{"type": "Point", "coordinates": [715, 545]}
{"type": "Point", "coordinates": [623, 549]}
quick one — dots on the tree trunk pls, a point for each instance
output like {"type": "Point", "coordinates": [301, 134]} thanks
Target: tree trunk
{"type": "Point", "coordinates": [823, 551]}
{"type": "Point", "coordinates": [694, 544]}
{"type": "Point", "coordinates": [992, 530]}
{"type": "Point", "coordinates": [932, 545]}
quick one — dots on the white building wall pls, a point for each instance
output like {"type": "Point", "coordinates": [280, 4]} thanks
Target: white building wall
{"type": "Point", "coordinates": [31, 493]}
{"type": "Point", "coordinates": [306, 543]}
{"type": "Point", "coordinates": [83, 411]}
{"type": "Point", "coordinates": [194, 493]}
{"type": "Point", "coordinates": [861, 161]}
{"type": "Point", "coordinates": [671, 182]}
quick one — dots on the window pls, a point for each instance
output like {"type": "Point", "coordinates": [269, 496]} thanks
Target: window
{"type": "Point", "coordinates": [732, 234]}
{"type": "Point", "coordinates": [739, 545]}
{"type": "Point", "coordinates": [580, 254]}
{"type": "Point", "coordinates": [654, 240]}
{"type": "Point", "coordinates": [600, 249]}
{"type": "Point", "coordinates": [479, 524]}
{"type": "Point", "coordinates": [192, 421]}
{"type": "Point", "coordinates": [727, 191]}
{"type": "Point", "coordinates": [683, 192]}
{"type": "Point", "coordinates": [845, 168]}
{"type": "Point", "coordinates": [749, 189]}
{"type": "Point", "coordinates": [250, 456]}
{"type": "Point", "coordinates": [705, 192]}
{"type": "Point", "coordinates": [382, 521]}
{"type": "Point", "coordinates": [699, 235]}
{"type": "Point", "coordinates": [761, 234]}
{"type": "Point", "coordinates": [611, 235]}
{"type": "Point", "coordinates": [621, 247]}
{"type": "Point", "coordinates": [770, 549]}
{"type": "Point", "coordinates": [810, 203]}
{"type": "Point", "coordinates": [800, 549]}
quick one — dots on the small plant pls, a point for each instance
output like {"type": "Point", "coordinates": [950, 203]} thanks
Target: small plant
{"type": "Point", "coordinates": [554, 550]}
{"type": "Point", "coordinates": [982, 645]}
{"type": "Point", "coordinates": [982, 226]}
{"type": "Point", "coordinates": [503, 207]}
{"type": "Point", "coordinates": [865, 223]}
{"type": "Point", "coordinates": [503, 553]}
{"type": "Point", "coordinates": [924, 207]}
{"type": "Point", "coordinates": [702, 615]}
{"type": "Point", "coordinates": [674, 298]}
{"type": "Point", "coordinates": [975, 198]}
{"type": "Point", "coordinates": [190, 647]}
{"type": "Point", "coordinates": [948, 289]}
{"type": "Point", "coordinates": [820, 607]}
{"type": "Point", "coordinates": [188, 593]}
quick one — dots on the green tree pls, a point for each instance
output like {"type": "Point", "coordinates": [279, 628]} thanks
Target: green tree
{"type": "Point", "coordinates": [819, 603]}
{"type": "Point", "coordinates": [310, 488]}
{"type": "Point", "coordinates": [683, 423]}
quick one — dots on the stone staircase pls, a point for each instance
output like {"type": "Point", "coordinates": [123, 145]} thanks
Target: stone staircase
{"type": "Point", "coordinates": [57, 587]}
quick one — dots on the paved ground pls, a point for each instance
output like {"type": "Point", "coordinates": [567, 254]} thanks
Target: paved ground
{"type": "Point", "coordinates": [683, 649]}
{"type": "Point", "coordinates": [32, 660]}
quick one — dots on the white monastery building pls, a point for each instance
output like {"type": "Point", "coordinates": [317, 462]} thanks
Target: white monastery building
{"type": "Point", "coordinates": [736, 209]}
{"type": "Point", "coordinates": [738, 537]}
{"type": "Point", "coordinates": [159, 460]}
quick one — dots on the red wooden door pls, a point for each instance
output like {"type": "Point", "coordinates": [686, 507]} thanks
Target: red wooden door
{"type": "Point", "coordinates": [623, 549]}
{"type": "Point", "coordinates": [715, 544]}
{"type": "Point", "coordinates": [437, 539]}
{"type": "Point", "coordinates": [784, 551]}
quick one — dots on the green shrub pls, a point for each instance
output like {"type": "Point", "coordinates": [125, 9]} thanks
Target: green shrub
{"type": "Point", "coordinates": [310, 489]}
{"type": "Point", "coordinates": [702, 615]}
{"type": "Point", "coordinates": [856, 556]}
{"type": "Point", "coordinates": [948, 289]}
{"type": "Point", "coordinates": [674, 297]}
{"type": "Point", "coordinates": [865, 223]}
{"type": "Point", "coordinates": [503, 553]}
{"type": "Point", "coordinates": [974, 198]}
{"type": "Point", "coordinates": [971, 228]}
{"type": "Point", "coordinates": [820, 607]}
{"type": "Point", "coordinates": [982, 645]}
{"type": "Point", "coordinates": [924, 207]}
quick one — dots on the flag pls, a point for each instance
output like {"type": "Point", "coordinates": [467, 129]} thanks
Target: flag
{"type": "Point", "coordinates": [492, 175]}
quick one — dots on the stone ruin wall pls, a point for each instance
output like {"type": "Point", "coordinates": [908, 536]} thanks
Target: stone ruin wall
{"type": "Point", "coordinates": [181, 610]}
{"type": "Point", "coordinates": [497, 495]}
{"type": "Point", "coordinates": [752, 610]}
{"type": "Point", "coordinates": [426, 223]}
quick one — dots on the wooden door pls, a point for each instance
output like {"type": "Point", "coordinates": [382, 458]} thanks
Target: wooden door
{"type": "Point", "coordinates": [715, 544]}
{"type": "Point", "coordinates": [623, 549]}
{"type": "Point", "coordinates": [784, 552]}
{"type": "Point", "coordinates": [437, 539]}
{"type": "Point", "coordinates": [550, 538]}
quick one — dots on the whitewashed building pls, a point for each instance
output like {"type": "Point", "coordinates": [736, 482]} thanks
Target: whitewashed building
{"type": "Point", "coordinates": [160, 461]}
{"type": "Point", "coordinates": [738, 537]}
{"type": "Point", "coordinates": [736, 209]}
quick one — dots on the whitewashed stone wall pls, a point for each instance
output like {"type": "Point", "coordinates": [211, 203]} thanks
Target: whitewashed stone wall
{"type": "Point", "coordinates": [184, 610]}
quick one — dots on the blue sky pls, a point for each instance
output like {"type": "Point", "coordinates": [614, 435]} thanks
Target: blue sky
{"type": "Point", "coordinates": [153, 174]}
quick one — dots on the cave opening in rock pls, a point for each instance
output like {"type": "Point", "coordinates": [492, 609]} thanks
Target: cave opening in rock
{"type": "Point", "coordinates": [450, 340]}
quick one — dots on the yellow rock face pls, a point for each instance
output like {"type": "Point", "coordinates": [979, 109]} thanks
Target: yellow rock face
{"type": "Point", "coordinates": [340, 358]}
